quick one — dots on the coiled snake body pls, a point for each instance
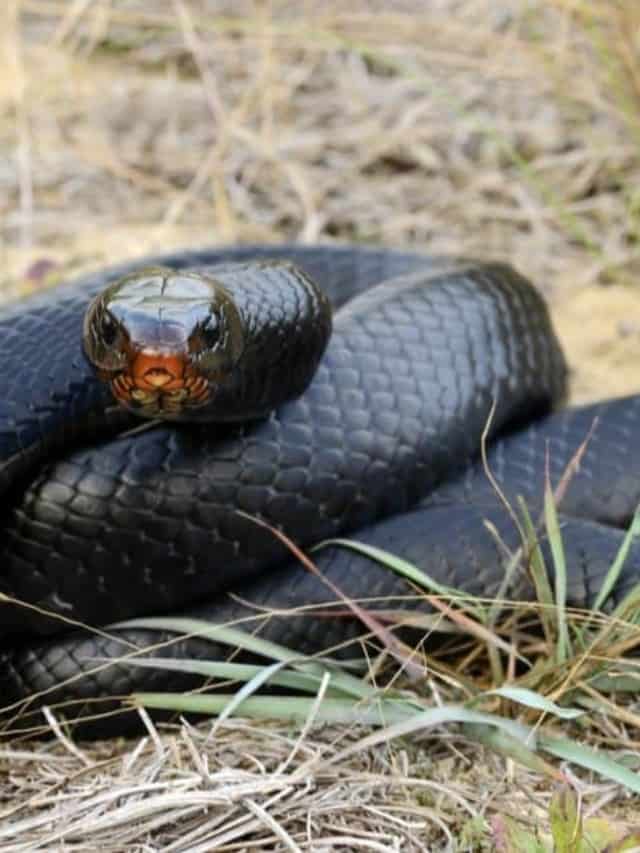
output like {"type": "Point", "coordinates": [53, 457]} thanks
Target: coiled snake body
{"type": "Point", "coordinates": [100, 526]}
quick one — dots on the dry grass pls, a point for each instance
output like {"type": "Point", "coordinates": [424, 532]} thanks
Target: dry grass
{"type": "Point", "coordinates": [508, 130]}
{"type": "Point", "coordinates": [504, 129]}
{"type": "Point", "coordinates": [237, 790]}
{"type": "Point", "coordinates": [252, 788]}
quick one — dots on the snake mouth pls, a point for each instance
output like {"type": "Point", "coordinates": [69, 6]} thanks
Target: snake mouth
{"type": "Point", "coordinates": [157, 371]}
{"type": "Point", "coordinates": [160, 384]}
{"type": "Point", "coordinates": [158, 377]}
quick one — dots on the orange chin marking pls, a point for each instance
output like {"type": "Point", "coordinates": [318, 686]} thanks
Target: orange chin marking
{"type": "Point", "coordinates": [158, 372]}
{"type": "Point", "coordinates": [155, 377]}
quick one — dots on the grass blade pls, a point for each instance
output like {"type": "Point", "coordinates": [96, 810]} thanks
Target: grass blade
{"type": "Point", "coordinates": [563, 645]}
{"type": "Point", "coordinates": [403, 568]}
{"type": "Point", "coordinates": [293, 708]}
{"type": "Point", "coordinates": [584, 756]}
{"type": "Point", "coordinates": [616, 567]}
{"type": "Point", "coordinates": [510, 747]}
{"type": "Point", "coordinates": [534, 700]}
{"type": "Point", "coordinates": [443, 714]}
{"type": "Point", "coordinates": [237, 638]}
{"type": "Point", "coordinates": [539, 573]}
{"type": "Point", "coordinates": [223, 670]}
{"type": "Point", "coordinates": [397, 564]}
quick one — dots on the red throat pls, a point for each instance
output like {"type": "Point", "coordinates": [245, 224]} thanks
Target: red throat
{"type": "Point", "coordinates": [158, 372]}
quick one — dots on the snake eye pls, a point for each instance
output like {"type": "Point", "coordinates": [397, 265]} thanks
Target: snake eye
{"type": "Point", "coordinates": [108, 329]}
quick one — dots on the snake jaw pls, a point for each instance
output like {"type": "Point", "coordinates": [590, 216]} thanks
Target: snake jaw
{"type": "Point", "coordinates": [157, 383]}
{"type": "Point", "coordinates": [198, 389]}
{"type": "Point", "coordinates": [122, 386]}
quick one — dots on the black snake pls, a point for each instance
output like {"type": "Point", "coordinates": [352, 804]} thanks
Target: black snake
{"type": "Point", "coordinates": [99, 526]}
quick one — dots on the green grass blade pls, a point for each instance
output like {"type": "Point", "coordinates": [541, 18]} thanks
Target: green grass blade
{"type": "Point", "coordinates": [563, 645]}
{"type": "Point", "coordinates": [629, 607]}
{"type": "Point", "coordinates": [534, 700]}
{"type": "Point", "coordinates": [237, 638]}
{"type": "Point", "coordinates": [252, 686]}
{"type": "Point", "coordinates": [539, 573]}
{"type": "Point", "coordinates": [624, 678]}
{"type": "Point", "coordinates": [566, 821]}
{"type": "Point", "coordinates": [443, 714]}
{"type": "Point", "coordinates": [616, 567]}
{"type": "Point", "coordinates": [397, 564]}
{"type": "Point", "coordinates": [293, 708]}
{"type": "Point", "coordinates": [510, 747]}
{"type": "Point", "coordinates": [228, 635]}
{"type": "Point", "coordinates": [223, 670]}
{"type": "Point", "coordinates": [405, 569]}
{"type": "Point", "coordinates": [584, 756]}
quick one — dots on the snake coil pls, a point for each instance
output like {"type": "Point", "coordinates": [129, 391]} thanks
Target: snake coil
{"type": "Point", "coordinates": [102, 526]}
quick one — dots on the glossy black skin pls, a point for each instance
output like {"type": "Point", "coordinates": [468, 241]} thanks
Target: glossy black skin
{"type": "Point", "coordinates": [394, 413]}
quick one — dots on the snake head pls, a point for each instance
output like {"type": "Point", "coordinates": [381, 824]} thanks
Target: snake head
{"type": "Point", "coordinates": [163, 340]}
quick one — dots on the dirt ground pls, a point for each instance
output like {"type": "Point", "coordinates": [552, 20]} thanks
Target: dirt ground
{"type": "Point", "coordinates": [505, 129]}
